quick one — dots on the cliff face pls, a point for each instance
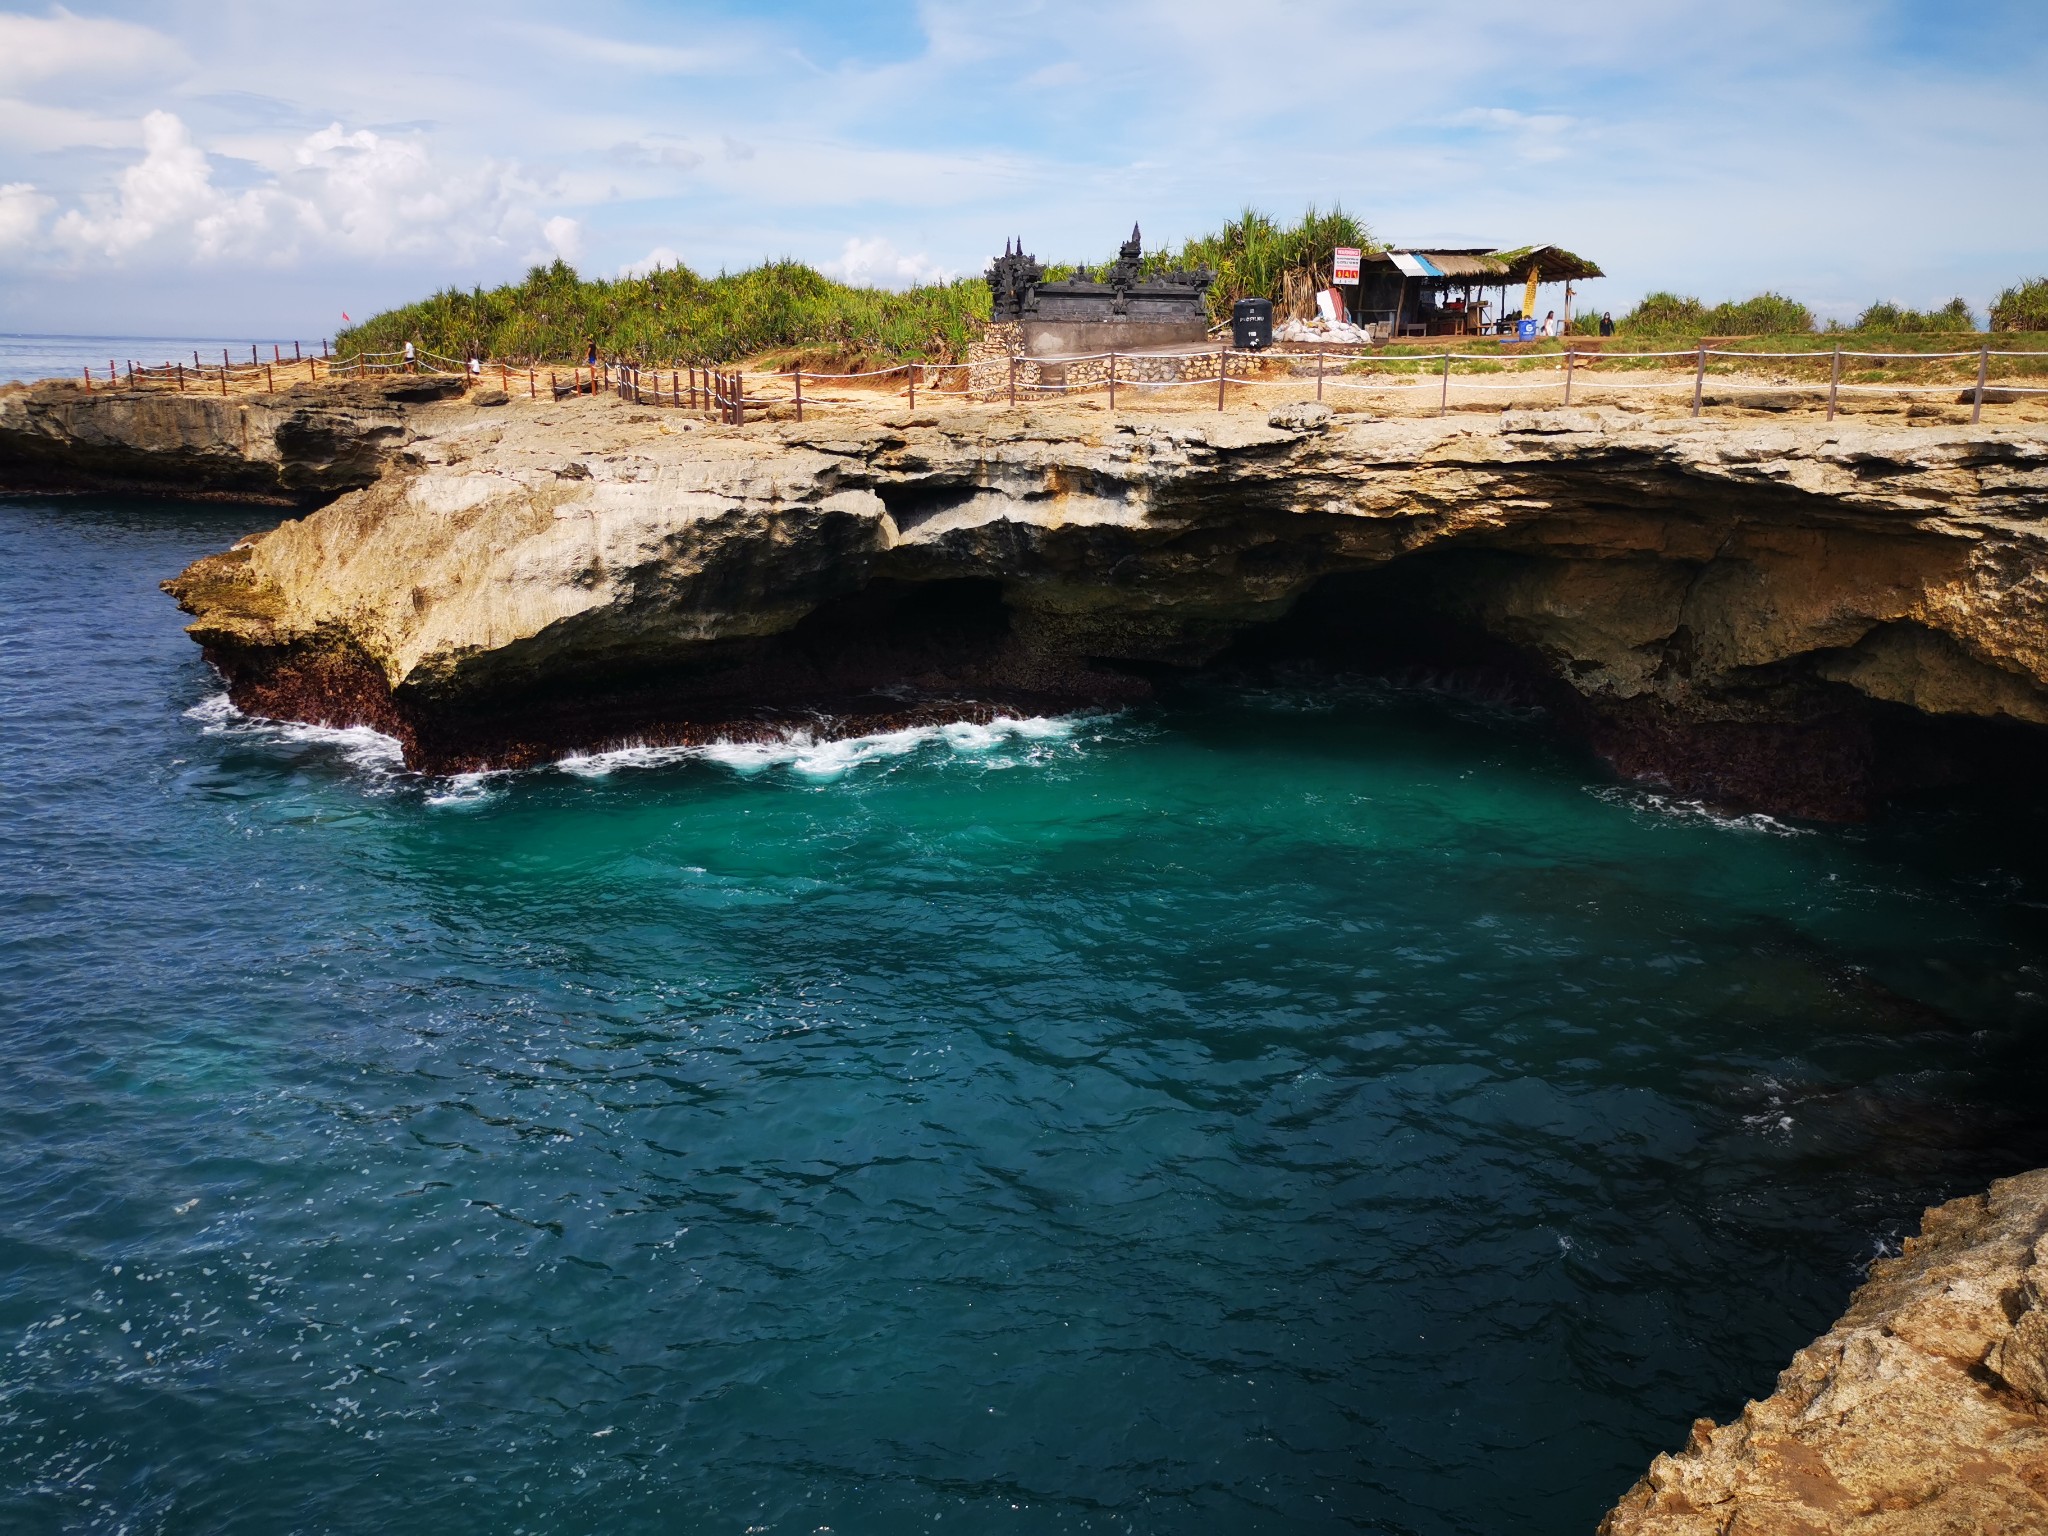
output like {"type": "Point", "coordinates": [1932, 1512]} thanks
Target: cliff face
{"type": "Point", "coordinates": [301, 444]}
{"type": "Point", "coordinates": [1924, 1410]}
{"type": "Point", "coordinates": [1749, 612]}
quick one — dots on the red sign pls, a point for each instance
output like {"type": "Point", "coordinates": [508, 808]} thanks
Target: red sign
{"type": "Point", "coordinates": [1345, 268]}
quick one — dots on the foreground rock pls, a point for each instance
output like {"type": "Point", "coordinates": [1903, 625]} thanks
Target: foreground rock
{"type": "Point", "coordinates": [1923, 1411]}
{"type": "Point", "coordinates": [1762, 615]}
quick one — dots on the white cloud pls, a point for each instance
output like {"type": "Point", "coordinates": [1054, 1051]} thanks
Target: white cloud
{"type": "Point", "coordinates": [359, 193]}
{"type": "Point", "coordinates": [34, 49]}
{"type": "Point", "coordinates": [564, 236]}
{"type": "Point", "coordinates": [170, 188]}
{"type": "Point", "coordinates": [657, 149]}
{"type": "Point", "coordinates": [21, 213]}
{"type": "Point", "coordinates": [617, 53]}
{"type": "Point", "coordinates": [876, 263]}
{"type": "Point", "coordinates": [660, 256]}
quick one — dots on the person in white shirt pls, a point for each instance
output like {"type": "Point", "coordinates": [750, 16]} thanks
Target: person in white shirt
{"type": "Point", "coordinates": [408, 357]}
{"type": "Point", "coordinates": [1550, 323]}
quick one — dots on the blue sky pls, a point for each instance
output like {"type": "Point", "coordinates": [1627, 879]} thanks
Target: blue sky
{"type": "Point", "coordinates": [260, 166]}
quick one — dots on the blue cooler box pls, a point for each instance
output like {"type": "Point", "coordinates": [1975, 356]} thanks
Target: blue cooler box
{"type": "Point", "coordinates": [1525, 330]}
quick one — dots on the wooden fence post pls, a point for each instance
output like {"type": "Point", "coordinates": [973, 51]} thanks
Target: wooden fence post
{"type": "Point", "coordinates": [1834, 380]}
{"type": "Point", "coordinates": [1443, 405]}
{"type": "Point", "coordinates": [181, 378]}
{"type": "Point", "coordinates": [1699, 379]}
{"type": "Point", "coordinates": [297, 355]}
{"type": "Point", "coordinates": [269, 380]}
{"type": "Point", "coordinates": [532, 383]}
{"type": "Point", "coordinates": [913, 386]}
{"type": "Point", "coordinates": [1222, 373]}
{"type": "Point", "coordinates": [1983, 369]}
{"type": "Point", "coordinates": [1570, 357]}
{"type": "Point", "coordinates": [799, 391]}
{"type": "Point", "coordinates": [1112, 381]}
{"type": "Point", "coordinates": [1319, 372]}
{"type": "Point", "coordinates": [253, 358]}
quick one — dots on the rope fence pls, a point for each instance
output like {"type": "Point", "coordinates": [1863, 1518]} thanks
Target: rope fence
{"type": "Point", "coordinates": [738, 395]}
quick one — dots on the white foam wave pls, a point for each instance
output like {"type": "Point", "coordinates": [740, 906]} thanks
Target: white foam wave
{"type": "Point", "coordinates": [803, 752]}
{"type": "Point", "coordinates": [1637, 798]}
{"type": "Point", "coordinates": [824, 759]}
{"type": "Point", "coordinates": [364, 748]}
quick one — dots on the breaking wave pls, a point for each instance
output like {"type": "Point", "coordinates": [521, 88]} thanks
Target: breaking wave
{"type": "Point", "coordinates": [804, 752]}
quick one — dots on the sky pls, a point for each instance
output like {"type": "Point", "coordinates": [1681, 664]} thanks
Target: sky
{"type": "Point", "coordinates": [260, 167]}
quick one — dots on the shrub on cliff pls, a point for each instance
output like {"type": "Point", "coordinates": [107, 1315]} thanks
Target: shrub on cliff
{"type": "Point", "coordinates": [1671, 314]}
{"type": "Point", "coordinates": [1899, 320]}
{"type": "Point", "coordinates": [2022, 307]}
{"type": "Point", "coordinates": [674, 315]}
{"type": "Point", "coordinates": [1256, 256]}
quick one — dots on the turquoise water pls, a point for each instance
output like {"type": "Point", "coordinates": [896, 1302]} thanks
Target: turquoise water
{"type": "Point", "coordinates": [1311, 1110]}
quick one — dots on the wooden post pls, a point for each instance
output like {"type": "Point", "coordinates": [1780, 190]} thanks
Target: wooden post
{"type": "Point", "coordinates": [1983, 369]}
{"type": "Point", "coordinates": [913, 386]}
{"type": "Point", "coordinates": [223, 377]}
{"type": "Point", "coordinates": [253, 358]}
{"type": "Point", "coordinates": [297, 356]}
{"type": "Point", "coordinates": [88, 378]}
{"type": "Point", "coordinates": [799, 391]}
{"type": "Point", "coordinates": [532, 384]}
{"type": "Point", "coordinates": [276, 353]}
{"type": "Point", "coordinates": [181, 378]}
{"type": "Point", "coordinates": [551, 384]}
{"type": "Point", "coordinates": [1699, 379]}
{"type": "Point", "coordinates": [269, 380]}
{"type": "Point", "coordinates": [1319, 372]}
{"type": "Point", "coordinates": [1222, 373]}
{"type": "Point", "coordinates": [505, 378]}
{"type": "Point", "coordinates": [1443, 406]}
{"type": "Point", "coordinates": [1569, 358]}
{"type": "Point", "coordinates": [1834, 380]}
{"type": "Point", "coordinates": [1112, 381]}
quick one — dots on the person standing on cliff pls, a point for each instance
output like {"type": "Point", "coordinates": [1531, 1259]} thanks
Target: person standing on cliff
{"type": "Point", "coordinates": [409, 368]}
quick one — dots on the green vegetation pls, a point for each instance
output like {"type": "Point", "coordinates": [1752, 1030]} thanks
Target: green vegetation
{"type": "Point", "coordinates": [1665, 315]}
{"type": "Point", "coordinates": [1897, 320]}
{"type": "Point", "coordinates": [2022, 307]}
{"type": "Point", "coordinates": [1254, 256]}
{"type": "Point", "coordinates": [673, 315]}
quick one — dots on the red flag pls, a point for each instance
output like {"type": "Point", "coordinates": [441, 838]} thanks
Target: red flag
{"type": "Point", "coordinates": [344, 315]}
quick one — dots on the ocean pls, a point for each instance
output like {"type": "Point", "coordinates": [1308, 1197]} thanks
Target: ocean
{"type": "Point", "coordinates": [1315, 1108]}
{"type": "Point", "coordinates": [26, 358]}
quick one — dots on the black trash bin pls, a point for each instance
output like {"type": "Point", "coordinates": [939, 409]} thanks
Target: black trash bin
{"type": "Point", "coordinates": [1251, 324]}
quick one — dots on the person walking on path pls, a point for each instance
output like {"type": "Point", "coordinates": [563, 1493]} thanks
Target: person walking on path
{"type": "Point", "coordinates": [1606, 323]}
{"type": "Point", "coordinates": [409, 358]}
{"type": "Point", "coordinates": [1550, 323]}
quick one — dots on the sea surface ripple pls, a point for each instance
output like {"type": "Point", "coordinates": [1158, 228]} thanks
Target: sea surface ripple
{"type": "Point", "coordinates": [1305, 1110]}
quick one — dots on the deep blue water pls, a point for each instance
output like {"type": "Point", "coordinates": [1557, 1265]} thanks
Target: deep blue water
{"type": "Point", "coordinates": [1295, 1111]}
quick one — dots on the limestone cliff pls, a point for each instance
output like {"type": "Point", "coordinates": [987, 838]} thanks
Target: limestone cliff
{"type": "Point", "coordinates": [1923, 1411]}
{"type": "Point", "coordinates": [300, 444]}
{"type": "Point", "coordinates": [1745, 611]}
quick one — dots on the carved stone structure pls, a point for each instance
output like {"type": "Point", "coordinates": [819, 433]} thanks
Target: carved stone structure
{"type": "Point", "coordinates": [1120, 308]}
